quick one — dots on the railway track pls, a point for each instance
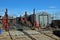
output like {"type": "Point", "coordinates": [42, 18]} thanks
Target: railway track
{"type": "Point", "coordinates": [18, 35]}
{"type": "Point", "coordinates": [51, 35]}
{"type": "Point", "coordinates": [26, 35]}
{"type": "Point", "coordinates": [29, 35]}
{"type": "Point", "coordinates": [10, 36]}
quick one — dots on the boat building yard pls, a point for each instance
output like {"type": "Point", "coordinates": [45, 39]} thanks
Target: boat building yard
{"type": "Point", "coordinates": [37, 26]}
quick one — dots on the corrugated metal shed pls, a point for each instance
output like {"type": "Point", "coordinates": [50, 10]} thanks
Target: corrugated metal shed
{"type": "Point", "coordinates": [43, 18]}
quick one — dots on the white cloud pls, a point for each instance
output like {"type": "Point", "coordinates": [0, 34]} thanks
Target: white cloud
{"type": "Point", "coordinates": [52, 7]}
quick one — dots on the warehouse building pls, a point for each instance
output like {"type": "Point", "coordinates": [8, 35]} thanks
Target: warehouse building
{"type": "Point", "coordinates": [43, 18]}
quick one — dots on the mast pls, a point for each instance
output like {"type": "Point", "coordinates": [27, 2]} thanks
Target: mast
{"type": "Point", "coordinates": [6, 13]}
{"type": "Point", "coordinates": [34, 16]}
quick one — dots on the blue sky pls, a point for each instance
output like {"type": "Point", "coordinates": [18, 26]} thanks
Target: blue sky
{"type": "Point", "coordinates": [18, 7]}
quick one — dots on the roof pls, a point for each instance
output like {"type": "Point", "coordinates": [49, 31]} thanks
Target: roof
{"type": "Point", "coordinates": [43, 13]}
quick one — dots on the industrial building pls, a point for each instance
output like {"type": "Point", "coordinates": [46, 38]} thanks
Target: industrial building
{"type": "Point", "coordinates": [43, 18]}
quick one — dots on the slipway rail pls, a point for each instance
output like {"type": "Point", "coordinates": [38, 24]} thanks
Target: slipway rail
{"type": "Point", "coordinates": [29, 35]}
{"type": "Point", "coordinates": [51, 35]}
{"type": "Point", "coordinates": [10, 36]}
{"type": "Point", "coordinates": [26, 35]}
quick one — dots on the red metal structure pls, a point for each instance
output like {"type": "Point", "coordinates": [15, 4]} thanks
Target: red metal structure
{"type": "Point", "coordinates": [5, 21]}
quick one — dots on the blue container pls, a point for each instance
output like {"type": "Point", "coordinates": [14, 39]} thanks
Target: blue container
{"type": "Point", "coordinates": [0, 31]}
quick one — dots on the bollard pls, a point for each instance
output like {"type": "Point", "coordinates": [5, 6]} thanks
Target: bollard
{"type": "Point", "coordinates": [0, 31]}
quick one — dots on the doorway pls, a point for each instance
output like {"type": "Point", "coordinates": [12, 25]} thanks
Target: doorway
{"type": "Point", "coordinates": [43, 20]}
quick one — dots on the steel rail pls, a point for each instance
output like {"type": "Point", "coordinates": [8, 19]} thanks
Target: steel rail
{"type": "Point", "coordinates": [10, 36]}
